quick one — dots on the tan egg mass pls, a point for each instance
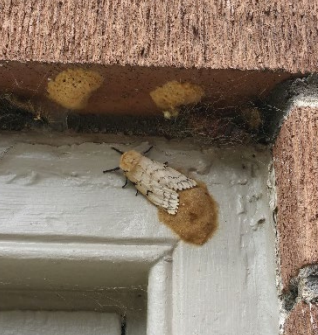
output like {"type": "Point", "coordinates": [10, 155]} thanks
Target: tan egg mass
{"type": "Point", "coordinates": [174, 94]}
{"type": "Point", "coordinates": [73, 87]}
{"type": "Point", "coordinates": [252, 117]}
{"type": "Point", "coordinates": [197, 217]}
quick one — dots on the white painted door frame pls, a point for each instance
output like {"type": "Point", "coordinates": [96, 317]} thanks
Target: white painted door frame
{"type": "Point", "coordinates": [58, 208]}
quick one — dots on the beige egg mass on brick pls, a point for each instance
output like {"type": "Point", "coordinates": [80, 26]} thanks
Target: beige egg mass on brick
{"type": "Point", "coordinates": [73, 87]}
{"type": "Point", "coordinates": [174, 94]}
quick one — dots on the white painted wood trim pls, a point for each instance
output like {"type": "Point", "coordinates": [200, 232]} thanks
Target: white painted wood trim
{"type": "Point", "coordinates": [101, 252]}
{"type": "Point", "coordinates": [58, 323]}
{"type": "Point", "coordinates": [160, 298]}
{"type": "Point", "coordinates": [57, 206]}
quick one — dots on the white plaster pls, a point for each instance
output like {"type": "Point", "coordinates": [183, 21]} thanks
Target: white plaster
{"type": "Point", "coordinates": [306, 101]}
{"type": "Point", "coordinates": [60, 214]}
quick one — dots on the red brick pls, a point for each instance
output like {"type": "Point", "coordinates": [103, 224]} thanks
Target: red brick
{"type": "Point", "coordinates": [247, 35]}
{"type": "Point", "coordinates": [302, 320]}
{"type": "Point", "coordinates": [296, 169]}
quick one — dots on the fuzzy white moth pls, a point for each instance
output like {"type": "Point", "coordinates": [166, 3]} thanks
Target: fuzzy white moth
{"type": "Point", "coordinates": [158, 182]}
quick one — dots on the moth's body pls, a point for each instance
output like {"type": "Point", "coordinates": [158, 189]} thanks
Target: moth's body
{"type": "Point", "coordinates": [158, 182]}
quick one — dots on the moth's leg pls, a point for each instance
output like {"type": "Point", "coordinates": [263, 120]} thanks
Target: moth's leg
{"type": "Point", "coordinates": [111, 170]}
{"type": "Point", "coordinates": [145, 152]}
{"type": "Point", "coordinates": [136, 189]}
{"type": "Point", "coordinates": [126, 181]}
{"type": "Point", "coordinates": [165, 164]}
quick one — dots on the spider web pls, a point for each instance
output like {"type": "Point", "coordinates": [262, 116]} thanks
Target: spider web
{"type": "Point", "coordinates": [207, 122]}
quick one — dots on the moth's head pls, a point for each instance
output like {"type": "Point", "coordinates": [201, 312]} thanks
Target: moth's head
{"type": "Point", "coordinates": [129, 160]}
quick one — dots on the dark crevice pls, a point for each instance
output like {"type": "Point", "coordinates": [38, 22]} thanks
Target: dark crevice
{"type": "Point", "coordinates": [202, 122]}
{"type": "Point", "coordinates": [303, 287]}
{"type": "Point", "coordinates": [18, 114]}
{"type": "Point", "coordinates": [123, 325]}
{"type": "Point", "coordinates": [289, 298]}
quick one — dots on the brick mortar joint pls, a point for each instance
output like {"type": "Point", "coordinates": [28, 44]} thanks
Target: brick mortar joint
{"type": "Point", "coordinates": [303, 288]}
{"type": "Point", "coordinates": [306, 283]}
{"type": "Point", "coordinates": [304, 93]}
{"type": "Point", "coordinates": [295, 93]}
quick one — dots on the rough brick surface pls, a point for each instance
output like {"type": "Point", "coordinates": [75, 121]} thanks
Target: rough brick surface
{"type": "Point", "coordinates": [184, 33]}
{"type": "Point", "coordinates": [296, 168]}
{"type": "Point", "coordinates": [302, 320]}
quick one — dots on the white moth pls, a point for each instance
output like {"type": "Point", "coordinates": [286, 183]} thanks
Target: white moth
{"type": "Point", "coordinates": [158, 182]}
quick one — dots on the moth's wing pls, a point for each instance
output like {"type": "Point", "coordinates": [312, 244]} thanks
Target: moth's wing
{"type": "Point", "coordinates": [159, 183]}
{"type": "Point", "coordinates": [160, 195]}
{"type": "Point", "coordinates": [170, 177]}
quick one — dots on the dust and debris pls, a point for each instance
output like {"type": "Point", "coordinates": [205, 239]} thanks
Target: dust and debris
{"type": "Point", "coordinates": [17, 114]}
{"type": "Point", "coordinates": [169, 114]}
{"type": "Point", "coordinates": [72, 87]}
{"type": "Point", "coordinates": [221, 125]}
{"type": "Point", "coordinates": [198, 122]}
{"type": "Point", "coordinates": [201, 122]}
{"type": "Point", "coordinates": [252, 117]}
{"type": "Point", "coordinates": [197, 217]}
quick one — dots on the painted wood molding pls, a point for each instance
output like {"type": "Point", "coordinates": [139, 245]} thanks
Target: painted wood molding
{"type": "Point", "coordinates": [63, 217]}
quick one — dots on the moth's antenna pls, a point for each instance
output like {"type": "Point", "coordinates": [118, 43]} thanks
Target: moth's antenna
{"type": "Point", "coordinates": [111, 170]}
{"type": "Point", "coordinates": [117, 150]}
{"type": "Point", "coordinates": [145, 152]}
